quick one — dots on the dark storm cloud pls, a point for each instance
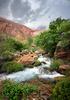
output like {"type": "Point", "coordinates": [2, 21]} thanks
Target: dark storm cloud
{"type": "Point", "coordinates": [4, 7]}
{"type": "Point", "coordinates": [3, 3]}
{"type": "Point", "coordinates": [41, 27]}
{"type": "Point", "coordinates": [20, 9]}
{"type": "Point", "coordinates": [34, 13]}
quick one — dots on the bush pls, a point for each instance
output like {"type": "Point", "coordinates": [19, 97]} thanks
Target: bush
{"type": "Point", "coordinates": [30, 41]}
{"type": "Point", "coordinates": [11, 66]}
{"type": "Point", "coordinates": [65, 41]}
{"type": "Point", "coordinates": [11, 90]}
{"type": "Point", "coordinates": [56, 63]}
{"type": "Point", "coordinates": [15, 91]}
{"type": "Point", "coordinates": [7, 55]}
{"type": "Point", "coordinates": [10, 45]}
{"type": "Point", "coordinates": [28, 89]}
{"type": "Point", "coordinates": [62, 90]}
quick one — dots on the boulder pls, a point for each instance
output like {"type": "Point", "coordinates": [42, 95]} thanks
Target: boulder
{"type": "Point", "coordinates": [64, 67]}
{"type": "Point", "coordinates": [61, 52]}
{"type": "Point", "coordinates": [28, 58]}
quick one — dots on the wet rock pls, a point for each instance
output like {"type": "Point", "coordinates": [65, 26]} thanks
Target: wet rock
{"type": "Point", "coordinates": [60, 52]}
{"type": "Point", "coordinates": [28, 58]}
{"type": "Point", "coordinates": [44, 89]}
{"type": "Point", "coordinates": [64, 67]}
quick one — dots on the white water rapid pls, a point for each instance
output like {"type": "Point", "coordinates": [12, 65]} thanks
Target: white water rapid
{"type": "Point", "coordinates": [30, 73]}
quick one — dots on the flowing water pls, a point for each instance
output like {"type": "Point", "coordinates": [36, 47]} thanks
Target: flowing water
{"type": "Point", "coordinates": [30, 73]}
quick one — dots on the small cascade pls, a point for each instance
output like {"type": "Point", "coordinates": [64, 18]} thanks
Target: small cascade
{"type": "Point", "coordinates": [45, 61]}
{"type": "Point", "coordinates": [24, 75]}
{"type": "Point", "coordinates": [30, 73]}
{"type": "Point", "coordinates": [41, 70]}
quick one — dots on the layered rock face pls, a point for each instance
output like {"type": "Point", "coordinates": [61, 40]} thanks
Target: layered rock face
{"type": "Point", "coordinates": [14, 29]}
{"type": "Point", "coordinates": [61, 52]}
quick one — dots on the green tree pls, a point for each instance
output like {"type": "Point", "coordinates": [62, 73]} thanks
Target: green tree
{"type": "Point", "coordinates": [48, 41]}
{"type": "Point", "coordinates": [58, 31]}
{"type": "Point", "coordinates": [30, 41]}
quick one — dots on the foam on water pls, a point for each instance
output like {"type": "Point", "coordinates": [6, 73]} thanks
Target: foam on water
{"type": "Point", "coordinates": [45, 61]}
{"type": "Point", "coordinates": [50, 75]}
{"type": "Point", "coordinates": [30, 73]}
{"type": "Point", "coordinates": [24, 75]}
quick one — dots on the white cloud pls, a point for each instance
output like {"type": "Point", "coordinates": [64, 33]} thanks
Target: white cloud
{"type": "Point", "coordinates": [43, 21]}
{"type": "Point", "coordinates": [10, 16]}
{"type": "Point", "coordinates": [35, 4]}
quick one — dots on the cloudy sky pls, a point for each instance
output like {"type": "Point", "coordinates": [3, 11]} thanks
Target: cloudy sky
{"type": "Point", "coordinates": [34, 13]}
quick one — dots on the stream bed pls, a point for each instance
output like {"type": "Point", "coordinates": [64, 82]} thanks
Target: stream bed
{"type": "Point", "coordinates": [30, 73]}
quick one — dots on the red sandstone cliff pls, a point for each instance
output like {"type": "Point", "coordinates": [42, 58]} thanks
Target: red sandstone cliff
{"type": "Point", "coordinates": [14, 29]}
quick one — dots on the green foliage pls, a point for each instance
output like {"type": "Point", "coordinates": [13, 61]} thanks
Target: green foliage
{"type": "Point", "coordinates": [33, 49]}
{"type": "Point", "coordinates": [15, 91]}
{"type": "Point", "coordinates": [65, 26]}
{"type": "Point", "coordinates": [56, 63]}
{"type": "Point", "coordinates": [62, 90]}
{"type": "Point", "coordinates": [11, 66]}
{"type": "Point", "coordinates": [11, 90]}
{"type": "Point", "coordinates": [66, 35]}
{"type": "Point", "coordinates": [30, 41]}
{"type": "Point", "coordinates": [28, 89]}
{"type": "Point", "coordinates": [65, 40]}
{"type": "Point", "coordinates": [9, 45]}
{"type": "Point", "coordinates": [47, 41]}
{"type": "Point", "coordinates": [54, 25]}
{"type": "Point", "coordinates": [58, 31]}
{"type": "Point", "coordinates": [37, 63]}
{"type": "Point", "coordinates": [7, 55]}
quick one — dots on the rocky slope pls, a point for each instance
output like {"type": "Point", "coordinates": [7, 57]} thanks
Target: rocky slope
{"type": "Point", "coordinates": [14, 29]}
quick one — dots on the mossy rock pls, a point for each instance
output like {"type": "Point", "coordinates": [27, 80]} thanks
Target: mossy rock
{"type": "Point", "coordinates": [37, 63]}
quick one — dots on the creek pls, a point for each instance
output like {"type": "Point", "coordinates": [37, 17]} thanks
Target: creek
{"type": "Point", "coordinates": [30, 73]}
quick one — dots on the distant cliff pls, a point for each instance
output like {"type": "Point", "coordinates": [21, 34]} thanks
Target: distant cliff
{"type": "Point", "coordinates": [16, 30]}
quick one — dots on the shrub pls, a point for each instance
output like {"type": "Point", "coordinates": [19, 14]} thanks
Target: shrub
{"type": "Point", "coordinates": [62, 90]}
{"type": "Point", "coordinates": [7, 55]}
{"type": "Point", "coordinates": [65, 41]}
{"type": "Point", "coordinates": [12, 66]}
{"type": "Point", "coordinates": [15, 91]}
{"type": "Point", "coordinates": [33, 49]}
{"type": "Point", "coordinates": [56, 63]}
{"type": "Point", "coordinates": [30, 41]}
{"type": "Point", "coordinates": [10, 45]}
{"type": "Point", "coordinates": [11, 90]}
{"type": "Point", "coordinates": [28, 89]}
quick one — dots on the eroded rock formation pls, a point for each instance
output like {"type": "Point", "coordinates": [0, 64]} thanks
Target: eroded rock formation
{"type": "Point", "coordinates": [14, 29]}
